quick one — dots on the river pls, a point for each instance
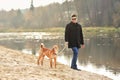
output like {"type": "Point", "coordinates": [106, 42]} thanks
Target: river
{"type": "Point", "coordinates": [101, 54]}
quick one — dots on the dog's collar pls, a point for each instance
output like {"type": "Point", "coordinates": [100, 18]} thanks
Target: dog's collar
{"type": "Point", "coordinates": [55, 54]}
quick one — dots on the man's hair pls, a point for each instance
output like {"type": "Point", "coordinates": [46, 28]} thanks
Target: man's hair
{"type": "Point", "coordinates": [74, 15]}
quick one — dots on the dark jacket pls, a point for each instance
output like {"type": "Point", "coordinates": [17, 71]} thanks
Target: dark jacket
{"type": "Point", "coordinates": [74, 35]}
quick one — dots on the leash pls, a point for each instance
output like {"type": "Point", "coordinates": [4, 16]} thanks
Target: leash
{"type": "Point", "coordinates": [62, 50]}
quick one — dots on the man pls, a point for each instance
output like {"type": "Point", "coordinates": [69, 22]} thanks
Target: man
{"type": "Point", "coordinates": [74, 39]}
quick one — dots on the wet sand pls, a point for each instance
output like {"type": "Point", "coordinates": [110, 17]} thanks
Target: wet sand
{"type": "Point", "coordinates": [15, 65]}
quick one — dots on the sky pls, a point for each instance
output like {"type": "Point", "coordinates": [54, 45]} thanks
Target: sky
{"type": "Point", "coordinates": [23, 4]}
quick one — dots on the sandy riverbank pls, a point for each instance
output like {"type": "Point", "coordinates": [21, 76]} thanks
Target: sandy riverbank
{"type": "Point", "coordinates": [15, 65]}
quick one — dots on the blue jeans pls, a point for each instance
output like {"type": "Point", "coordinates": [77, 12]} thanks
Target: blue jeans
{"type": "Point", "coordinates": [75, 56]}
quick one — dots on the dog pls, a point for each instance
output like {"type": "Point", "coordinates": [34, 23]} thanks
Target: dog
{"type": "Point", "coordinates": [50, 53]}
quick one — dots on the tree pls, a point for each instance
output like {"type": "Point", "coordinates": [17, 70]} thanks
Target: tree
{"type": "Point", "coordinates": [116, 14]}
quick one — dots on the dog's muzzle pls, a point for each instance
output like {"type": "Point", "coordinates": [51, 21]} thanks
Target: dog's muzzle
{"type": "Point", "coordinates": [55, 53]}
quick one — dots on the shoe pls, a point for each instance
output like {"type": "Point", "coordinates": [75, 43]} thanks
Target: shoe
{"type": "Point", "coordinates": [76, 69]}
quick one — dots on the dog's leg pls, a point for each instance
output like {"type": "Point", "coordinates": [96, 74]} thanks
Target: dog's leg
{"type": "Point", "coordinates": [38, 60]}
{"type": "Point", "coordinates": [55, 62]}
{"type": "Point", "coordinates": [51, 63]}
{"type": "Point", "coordinates": [41, 60]}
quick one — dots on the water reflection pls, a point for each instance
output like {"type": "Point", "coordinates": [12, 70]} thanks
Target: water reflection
{"type": "Point", "coordinates": [101, 55]}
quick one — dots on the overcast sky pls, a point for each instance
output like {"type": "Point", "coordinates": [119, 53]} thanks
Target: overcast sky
{"type": "Point", "coordinates": [22, 4]}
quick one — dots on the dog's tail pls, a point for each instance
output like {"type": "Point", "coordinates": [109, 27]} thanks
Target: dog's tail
{"type": "Point", "coordinates": [41, 45]}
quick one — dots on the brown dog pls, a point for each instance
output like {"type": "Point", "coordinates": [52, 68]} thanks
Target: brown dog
{"type": "Point", "coordinates": [50, 53]}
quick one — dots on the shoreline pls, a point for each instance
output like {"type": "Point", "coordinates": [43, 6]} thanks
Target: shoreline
{"type": "Point", "coordinates": [15, 65]}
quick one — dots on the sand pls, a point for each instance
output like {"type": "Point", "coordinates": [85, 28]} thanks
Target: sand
{"type": "Point", "coordinates": [15, 65]}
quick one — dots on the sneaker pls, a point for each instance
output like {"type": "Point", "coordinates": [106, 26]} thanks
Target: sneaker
{"type": "Point", "coordinates": [76, 69]}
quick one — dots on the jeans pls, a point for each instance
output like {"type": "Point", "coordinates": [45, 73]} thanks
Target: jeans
{"type": "Point", "coordinates": [75, 56]}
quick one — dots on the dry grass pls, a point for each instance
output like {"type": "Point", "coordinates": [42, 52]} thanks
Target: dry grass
{"type": "Point", "coordinates": [15, 65]}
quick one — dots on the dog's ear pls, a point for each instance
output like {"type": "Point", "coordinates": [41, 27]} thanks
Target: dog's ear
{"type": "Point", "coordinates": [41, 45]}
{"type": "Point", "coordinates": [55, 47]}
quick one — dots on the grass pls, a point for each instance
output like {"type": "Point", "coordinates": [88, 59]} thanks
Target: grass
{"type": "Point", "coordinates": [88, 31]}
{"type": "Point", "coordinates": [53, 29]}
{"type": "Point", "coordinates": [93, 31]}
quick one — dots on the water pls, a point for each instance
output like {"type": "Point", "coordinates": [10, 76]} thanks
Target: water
{"type": "Point", "coordinates": [101, 54]}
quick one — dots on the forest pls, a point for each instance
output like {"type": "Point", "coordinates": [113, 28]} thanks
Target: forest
{"type": "Point", "coordinates": [91, 13]}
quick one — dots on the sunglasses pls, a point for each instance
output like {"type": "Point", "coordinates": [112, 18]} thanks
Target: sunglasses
{"type": "Point", "coordinates": [73, 18]}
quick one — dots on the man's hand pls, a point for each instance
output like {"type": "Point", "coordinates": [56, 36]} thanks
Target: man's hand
{"type": "Point", "coordinates": [83, 46]}
{"type": "Point", "coordinates": [66, 44]}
